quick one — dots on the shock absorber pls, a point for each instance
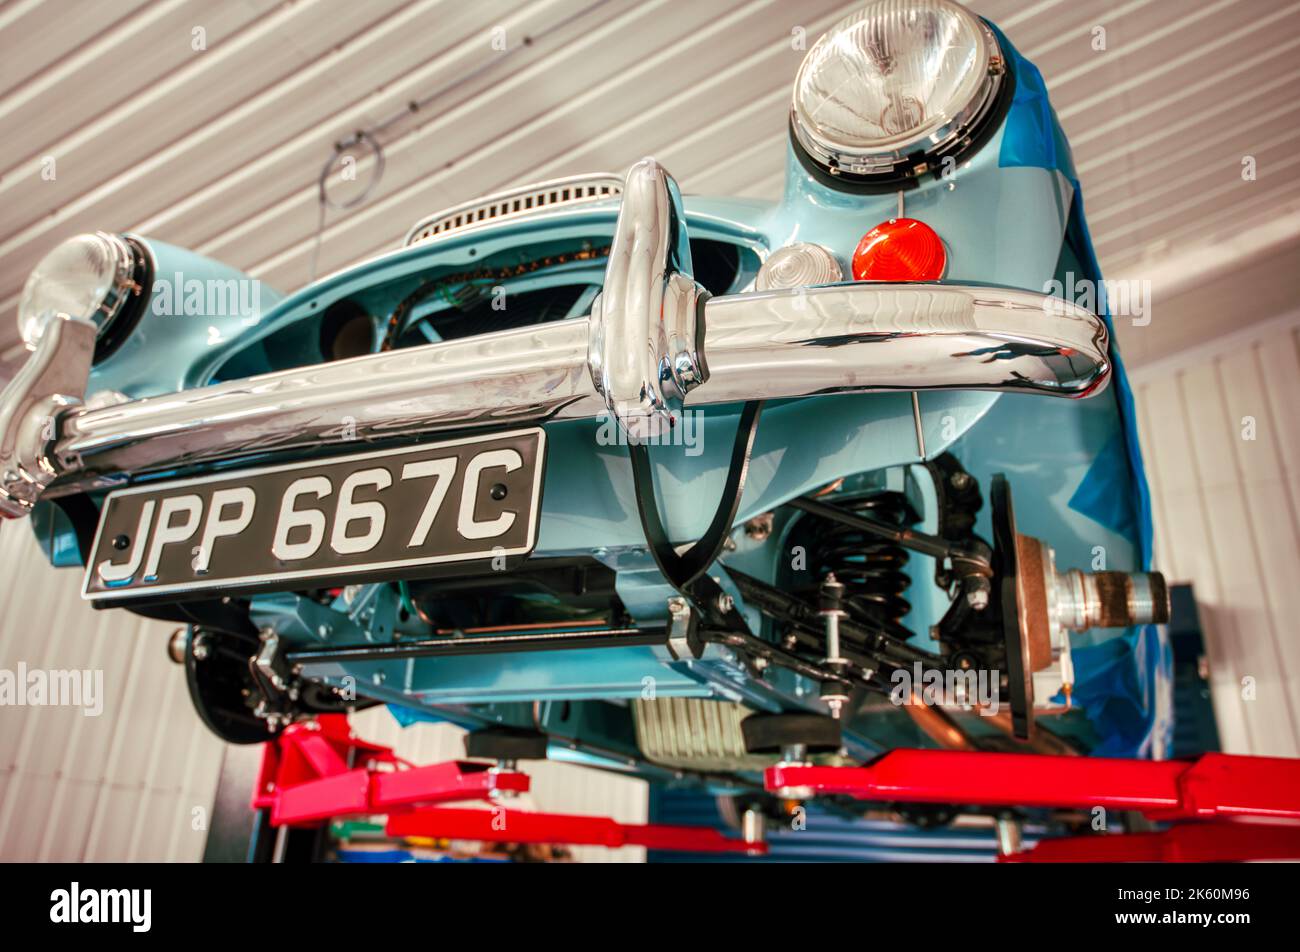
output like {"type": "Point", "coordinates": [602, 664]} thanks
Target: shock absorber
{"type": "Point", "coordinates": [870, 569]}
{"type": "Point", "coordinates": [830, 605]}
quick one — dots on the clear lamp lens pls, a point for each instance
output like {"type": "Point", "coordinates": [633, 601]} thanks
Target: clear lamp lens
{"type": "Point", "coordinates": [897, 74]}
{"type": "Point", "coordinates": [81, 279]}
{"type": "Point", "coordinates": [798, 265]}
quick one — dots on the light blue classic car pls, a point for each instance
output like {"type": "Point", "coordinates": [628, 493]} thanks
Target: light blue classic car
{"type": "Point", "coordinates": [677, 486]}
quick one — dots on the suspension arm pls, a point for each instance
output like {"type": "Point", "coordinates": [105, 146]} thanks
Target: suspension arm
{"type": "Point", "coordinates": [880, 647]}
{"type": "Point", "coordinates": [971, 559]}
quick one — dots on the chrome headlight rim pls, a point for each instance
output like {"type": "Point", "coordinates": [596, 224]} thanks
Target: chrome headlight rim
{"type": "Point", "coordinates": [114, 310]}
{"type": "Point", "coordinates": [888, 169]}
{"type": "Point", "coordinates": [130, 308]}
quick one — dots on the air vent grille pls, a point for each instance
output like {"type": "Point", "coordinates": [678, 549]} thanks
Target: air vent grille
{"type": "Point", "coordinates": [516, 203]}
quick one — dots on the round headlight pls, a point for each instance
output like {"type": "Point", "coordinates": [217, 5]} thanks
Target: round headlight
{"type": "Point", "coordinates": [86, 278]}
{"type": "Point", "coordinates": [892, 87]}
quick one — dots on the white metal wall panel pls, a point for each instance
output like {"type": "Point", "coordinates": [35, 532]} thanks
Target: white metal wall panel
{"type": "Point", "coordinates": [1227, 511]}
{"type": "Point", "coordinates": [124, 785]}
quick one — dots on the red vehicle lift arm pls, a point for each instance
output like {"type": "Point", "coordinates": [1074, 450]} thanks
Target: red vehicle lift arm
{"type": "Point", "coordinates": [1214, 785]}
{"type": "Point", "coordinates": [318, 770]}
{"type": "Point", "coordinates": [500, 825]}
{"type": "Point", "coordinates": [307, 776]}
{"type": "Point", "coordinates": [1182, 843]}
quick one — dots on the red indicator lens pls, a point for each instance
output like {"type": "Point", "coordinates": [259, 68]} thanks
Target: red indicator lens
{"type": "Point", "coordinates": [901, 249]}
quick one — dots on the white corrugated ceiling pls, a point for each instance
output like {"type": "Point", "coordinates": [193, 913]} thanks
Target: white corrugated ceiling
{"type": "Point", "coordinates": [219, 148]}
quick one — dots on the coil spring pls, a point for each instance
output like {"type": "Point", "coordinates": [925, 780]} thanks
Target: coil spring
{"type": "Point", "coordinates": [870, 568]}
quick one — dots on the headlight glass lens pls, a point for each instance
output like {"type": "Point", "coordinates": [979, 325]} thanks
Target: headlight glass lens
{"type": "Point", "coordinates": [893, 78]}
{"type": "Point", "coordinates": [85, 278]}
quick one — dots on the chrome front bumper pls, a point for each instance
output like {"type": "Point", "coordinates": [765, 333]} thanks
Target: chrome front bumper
{"type": "Point", "coordinates": [655, 341]}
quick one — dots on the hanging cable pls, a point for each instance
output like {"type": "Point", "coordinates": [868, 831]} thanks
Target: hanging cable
{"type": "Point", "coordinates": [324, 202]}
{"type": "Point", "coordinates": [370, 136]}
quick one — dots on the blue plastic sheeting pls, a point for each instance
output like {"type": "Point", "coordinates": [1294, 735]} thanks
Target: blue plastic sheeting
{"type": "Point", "coordinates": [1105, 495]}
{"type": "Point", "coordinates": [1033, 137]}
{"type": "Point", "coordinates": [1125, 683]}
{"type": "Point", "coordinates": [1126, 686]}
{"type": "Point", "coordinates": [406, 716]}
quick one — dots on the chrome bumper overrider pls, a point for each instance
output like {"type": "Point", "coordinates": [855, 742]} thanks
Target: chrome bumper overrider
{"type": "Point", "coordinates": [655, 341]}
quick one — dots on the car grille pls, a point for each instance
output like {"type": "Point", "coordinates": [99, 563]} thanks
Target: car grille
{"type": "Point", "coordinates": [516, 203]}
